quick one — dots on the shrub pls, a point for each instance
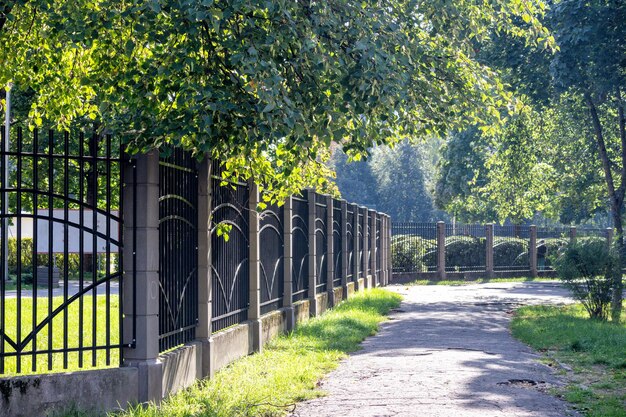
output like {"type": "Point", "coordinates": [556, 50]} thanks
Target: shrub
{"type": "Point", "coordinates": [465, 251]}
{"type": "Point", "coordinates": [410, 253]}
{"type": "Point", "coordinates": [587, 268]}
{"type": "Point", "coordinates": [510, 252]}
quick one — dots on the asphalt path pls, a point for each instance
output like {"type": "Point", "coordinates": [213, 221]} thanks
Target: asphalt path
{"type": "Point", "coordinates": [447, 351]}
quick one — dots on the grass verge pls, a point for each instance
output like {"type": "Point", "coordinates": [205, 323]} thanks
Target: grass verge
{"type": "Point", "coordinates": [457, 282]}
{"type": "Point", "coordinates": [288, 369]}
{"type": "Point", "coordinates": [590, 353]}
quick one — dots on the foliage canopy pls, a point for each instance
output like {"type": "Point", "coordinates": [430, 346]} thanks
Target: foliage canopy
{"type": "Point", "coordinates": [266, 85]}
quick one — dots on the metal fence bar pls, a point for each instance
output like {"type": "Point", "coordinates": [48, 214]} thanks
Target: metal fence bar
{"type": "Point", "coordinates": [58, 189]}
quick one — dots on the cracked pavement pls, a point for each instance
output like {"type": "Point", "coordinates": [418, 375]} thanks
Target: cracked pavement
{"type": "Point", "coordinates": [447, 351]}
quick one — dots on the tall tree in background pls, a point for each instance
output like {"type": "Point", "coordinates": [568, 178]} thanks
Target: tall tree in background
{"type": "Point", "coordinates": [395, 180]}
{"type": "Point", "coordinates": [577, 124]}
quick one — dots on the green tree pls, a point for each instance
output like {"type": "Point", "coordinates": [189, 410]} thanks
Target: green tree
{"type": "Point", "coordinates": [263, 86]}
{"type": "Point", "coordinates": [402, 174]}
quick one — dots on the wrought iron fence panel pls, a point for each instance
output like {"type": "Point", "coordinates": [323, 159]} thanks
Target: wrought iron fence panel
{"type": "Point", "coordinates": [337, 243]}
{"type": "Point", "coordinates": [272, 246]}
{"type": "Point", "coordinates": [178, 249]}
{"type": "Point", "coordinates": [414, 247]}
{"type": "Point", "coordinates": [586, 232]}
{"type": "Point", "coordinates": [300, 248]}
{"type": "Point", "coordinates": [549, 241]}
{"type": "Point", "coordinates": [350, 243]}
{"type": "Point", "coordinates": [61, 262]}
{"type": "Point", "coordinates": [359, 223]}
{"type": "Point", "coordinates": [230, 269]}
{"type": "Point", "coordinates": [465, 248]}
{"type": "Point", "coordinates": [368, 255]}
{"type": "Point", "coordinates": [510, 248]}
{"type": "Point", "coordinates": [321, 255]}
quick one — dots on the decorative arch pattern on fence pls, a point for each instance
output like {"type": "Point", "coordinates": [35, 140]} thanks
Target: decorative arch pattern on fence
{"type": "Point", "coordinates": [337, 243]}
{"type": "Point", "coordinates": [230, 272]}
{"type": "Point", "coordinates": [178, 249]}
{"type": "Point", "coordinates": [272, 257]}
{"type": "Point", "coordinates": [350, 215]}
{"type": "Point", "coordinates": [59, 222]}
{"type": "Point", "coordinates": [300, 248]}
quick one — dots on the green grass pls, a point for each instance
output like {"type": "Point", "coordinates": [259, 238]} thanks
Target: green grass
{"type": "Point", "coordinates": [288, 369]}
{"type": "Point", "coordinates": [594, 350]}
{"type": "Point", "coordinates": [457, 282]}
{"type": "Point", "coordinates": [73, 318]}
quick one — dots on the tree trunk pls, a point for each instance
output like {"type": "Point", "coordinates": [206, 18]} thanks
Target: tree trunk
{"type": "Point", "coordinates": [618, 287]}
{"type": "Point", "coordinates": [616, 197]}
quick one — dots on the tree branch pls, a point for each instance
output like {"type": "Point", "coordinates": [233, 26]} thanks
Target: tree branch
{"type": "Point", "coordinates": [4, 13]}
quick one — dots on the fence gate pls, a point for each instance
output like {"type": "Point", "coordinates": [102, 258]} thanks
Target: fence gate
{"type": "Point", "coordinates": [178, 249]}
{"type": "Point", "coordinates": [61, 263]}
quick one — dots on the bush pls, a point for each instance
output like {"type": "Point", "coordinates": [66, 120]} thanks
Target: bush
{"type": "Point", "coordinates": [465, 251]}
{"type": "Point", "coordinates": [411, 253]}
{"type": "Point", "coordinates": [510, 252]}
{"type": "Point", "coordinates": [588, 268]}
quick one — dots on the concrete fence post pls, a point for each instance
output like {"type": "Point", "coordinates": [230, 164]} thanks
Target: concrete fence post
{"type": "Point", "coordinates": [254, 258]}
{"type": "Point", "coordinates": [373, 248]}
{"type": "Point", "coordinates": [203, 329]}
{"type": "Point", "coordinates": [385, 241]}
{"type": "Point", "coordinates": [355, 247]}
{"type": "Point", "coordinates": [344, 248]}
{"type": "Point", "coordinates": [141, 255]}
{"type": "Point", "coordinates": [290, 320]}
{"type": "Point", "coordinates": [532, 250]}
{"type": "Point", "coordinates": [390, 251]}
{"type": "Point", "coordinates": [572, 234]}
{"type": "Point", "coordinates": [609, 237]}
{"type": "Point", "coordinates": [441, 250]}
{"type": "Point", "coordinates": [330, 252]}
{"type": "Point", "coordinates": [313, 308]}
{"type": "Point", "coordinates": [489, 266]}
{"type": "Point", "coordinates": [365, 261]}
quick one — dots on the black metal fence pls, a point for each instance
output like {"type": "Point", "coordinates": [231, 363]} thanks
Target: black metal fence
{"type": "Point", "coordinates": [272, 258]}
{"type": "Point", "coordinates": [61, 263]}
{"type": "Point", "coordinates": [465, 247]}
{"type": "Point", "coordinates": [510, 248]}
{"type": "Point", "coordinates": [300, 248]}
{"type": "Point", "coordinates": [337, 243]}
{"type": "Point", "coordinates": [321, 255]}
{"type": "Point", "coordinates": [178, 249]}
{"type": "Point", "coordinates": [230, 265]}
{"type": "Point", "coordinates": [415, 247]}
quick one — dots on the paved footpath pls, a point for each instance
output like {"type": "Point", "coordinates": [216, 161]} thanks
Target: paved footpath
{"type": "Point", "coordinates": [447, 351]}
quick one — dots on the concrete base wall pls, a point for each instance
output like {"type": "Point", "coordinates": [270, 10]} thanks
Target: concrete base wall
{"type": "Point", "coordinates": [181, 367]}
{"type": "Point", "coordinates": [93, 391]}
{"type": "Point", "coordinates": [338, 294]}
{"type": "Point", "coordinates": [301, 311]}
{"type": "Point", "coordinates": [404, 278]}
{"type": "Point", "coordinates": [350, 289]}
{"type": "Point", "coordinates": [229, 345]}
{"type": "Point", "coordinates": [273, 324]}
{"type": "Point", "coordinates": [322, 303]}
{"type": "Point", "coordinates": [361, 285]}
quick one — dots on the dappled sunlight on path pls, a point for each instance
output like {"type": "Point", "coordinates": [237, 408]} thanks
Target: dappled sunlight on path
{"type": "Point", "coordinates": [447, 351]}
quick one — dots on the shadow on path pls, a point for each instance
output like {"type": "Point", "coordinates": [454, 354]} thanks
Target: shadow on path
{"type": "Point", "coordinates": [447, 358]}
